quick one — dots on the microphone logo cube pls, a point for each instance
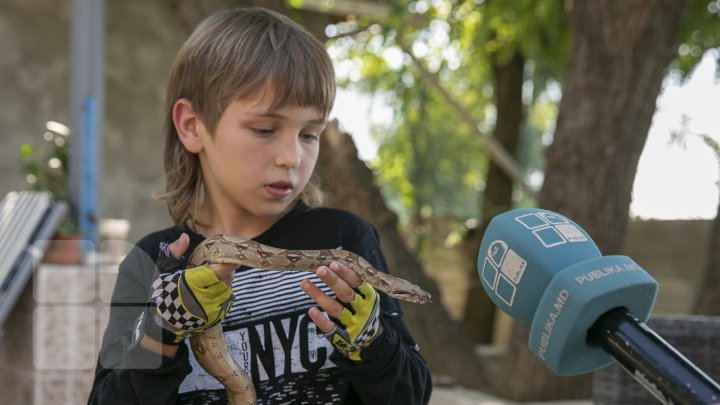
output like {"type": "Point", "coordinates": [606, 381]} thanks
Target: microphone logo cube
{"type": "Point", "coordinates": [549, 236]}
{"type": "Point", "coordinates": [497, 252]}
{"type": "Point", "coordinates": [502, 271]}
{"type": "Point", "coordinates": [571, 233]}
{"type": "Point", "coordinates": [551, 229]}
{"type": "Point", "coordinates": [506, 290]}
{"type": "Point", "coordinates": [513, 266]}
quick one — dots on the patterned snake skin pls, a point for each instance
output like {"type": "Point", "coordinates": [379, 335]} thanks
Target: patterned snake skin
{"type": "Point", "coordinates": [209, 347]}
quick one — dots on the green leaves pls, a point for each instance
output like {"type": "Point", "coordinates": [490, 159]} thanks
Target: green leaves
{"type": "Point", "coordinates": [699, 33]}
{"type": "Point", "coordinates": [294, 3]}
{"type": "Point", "coordinates": [712, 143]}
{"type": "Point", "coordinates": [429, 157]}
{"type": "Point", "coordinates": [46, 165]}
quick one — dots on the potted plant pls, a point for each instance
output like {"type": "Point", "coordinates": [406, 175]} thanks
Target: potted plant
{"type": "Point", "coordinates": [46, 169]}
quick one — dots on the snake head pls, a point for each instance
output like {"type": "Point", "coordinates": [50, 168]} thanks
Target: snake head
{"type": "Point", "coordinates": [407, 291]}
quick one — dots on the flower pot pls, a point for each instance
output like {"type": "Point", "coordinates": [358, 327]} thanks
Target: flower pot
{"type": "Point", "coordinates": [64, 249]}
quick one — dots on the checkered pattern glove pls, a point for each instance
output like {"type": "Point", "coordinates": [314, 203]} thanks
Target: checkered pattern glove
{"type": "Point", "coordinates": [358, 324]}
{"type": "Point", "coordinates": [189, 301]}
{"type": "Point", "coordinates": [184, 302]}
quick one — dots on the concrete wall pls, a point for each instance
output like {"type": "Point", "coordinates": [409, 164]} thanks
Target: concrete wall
{"type": "Point", "coordinates": [676, 254]}
{"type": "Point", "coordinates": [142, 38]}
{"type": "Point", "coordinates": [33, 77]}
{"type": "Point", "coordinates": [50, 341]}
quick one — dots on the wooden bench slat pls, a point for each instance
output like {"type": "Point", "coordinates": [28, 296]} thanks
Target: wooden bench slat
{"type": "Point", "coordinates": [27, 221]}
{"type": "Point", "coordinates": [22, 213]}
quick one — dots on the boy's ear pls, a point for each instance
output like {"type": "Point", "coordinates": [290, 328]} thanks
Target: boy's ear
{"type": "Point", "coordinates": [188, 125]}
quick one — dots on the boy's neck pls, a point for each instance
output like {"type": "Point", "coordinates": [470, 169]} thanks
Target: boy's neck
{"type": "Point", "coordinates": [212, 221]}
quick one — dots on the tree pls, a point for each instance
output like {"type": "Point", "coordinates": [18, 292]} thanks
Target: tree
{"type": "Point", "coordinates": [708, 302]}
{"type": "Point", "coordinates": [514, 34]}
{"type": "Point", "coordinates": [619, 55]}
{"type": "Point", "coordinates": [701, 32]}
{"type": "Point", "coordinates": [709, 296]}
{"type": "Point", "coordinates": [497, 196]}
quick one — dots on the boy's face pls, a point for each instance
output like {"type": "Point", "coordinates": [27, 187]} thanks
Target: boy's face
{"type": "Point", "coordinates": [259, 160]}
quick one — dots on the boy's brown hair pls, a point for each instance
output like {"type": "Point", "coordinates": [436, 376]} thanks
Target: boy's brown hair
{"type": "Point", "coordinates": [233, 55]}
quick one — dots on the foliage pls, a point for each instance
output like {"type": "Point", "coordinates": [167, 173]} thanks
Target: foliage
{"type": "Point", "coordinates": [537, 30]}
{"type": "Point", "coordinates": [428, 158]}
{"type": "Point", "coordinates": [712, 143]}
{"type": "Point", "coordinates": [537, 134]}
{"type": "Point", "coordinates": [429, 161]}
{"type": "Point", "coordinates": [700, 32]}
{"type": "Point", "coordinates": [46, 168]}
{"type": "Point", "coordinates": [679, 137]}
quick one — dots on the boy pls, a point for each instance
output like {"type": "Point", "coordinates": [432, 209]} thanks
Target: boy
{"type": "Point", "coordinates": [248, 98]}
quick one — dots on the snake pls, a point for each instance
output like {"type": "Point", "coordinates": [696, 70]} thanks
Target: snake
{"type": "Point", "coordinates": [209, 345]}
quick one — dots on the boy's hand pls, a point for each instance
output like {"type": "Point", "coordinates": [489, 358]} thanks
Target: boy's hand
{"type": "Point", "coordinates": [188, 301]}
{"type": "Point", "coordinates": [171, 256]}
{"type": "Point", "coordinates": [354, 316]}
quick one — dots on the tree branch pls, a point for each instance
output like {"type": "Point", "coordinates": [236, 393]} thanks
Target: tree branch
{"type": "Point", "coordinates": [498, 154]}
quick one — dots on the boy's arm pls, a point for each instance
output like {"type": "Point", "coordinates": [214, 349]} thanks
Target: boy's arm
{"type": "Point", "coordinates": [392, 371]}
{"type": "Point", "coordinates": [131, 374]}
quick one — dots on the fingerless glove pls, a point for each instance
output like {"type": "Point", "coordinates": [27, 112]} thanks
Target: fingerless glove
{"type": "Point", "coordinates": [358, 324]}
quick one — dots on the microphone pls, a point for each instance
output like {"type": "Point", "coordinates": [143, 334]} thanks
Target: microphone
{"type": "Point", "coordinates": [584, 309]}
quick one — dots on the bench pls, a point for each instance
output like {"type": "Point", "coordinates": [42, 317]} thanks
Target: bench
{"type": "Point", "coordinates": [28, 220]}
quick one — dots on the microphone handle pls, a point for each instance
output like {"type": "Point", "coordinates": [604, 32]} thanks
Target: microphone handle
{"type": "Point", "coordinates": [659, 367]}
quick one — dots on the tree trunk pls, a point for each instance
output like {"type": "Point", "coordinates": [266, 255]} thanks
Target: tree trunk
{"type": "Point", "coordinates": [709, 297]}
{"type": "Point", "coordinates": [618, 59]}
{"type": "Point", "coordinates": [619, 54]}
{"type": "Point", "coordinates": [416, 132]}
{"type": "Point", "coordinates": [479, 313]}
{"type": "Point", "coordinates": [448, 352]}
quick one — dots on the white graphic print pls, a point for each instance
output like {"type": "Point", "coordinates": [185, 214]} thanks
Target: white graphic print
{"type": "Point", "coordinates": [551, 229]}
{"type": "Point", "coordinates": [269, 334]}
{"type": "Point", "coordinates": [502, 270]}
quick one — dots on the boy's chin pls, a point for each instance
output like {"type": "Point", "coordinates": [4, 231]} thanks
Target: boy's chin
{"type": "Point", "coordinates": [276, 208]}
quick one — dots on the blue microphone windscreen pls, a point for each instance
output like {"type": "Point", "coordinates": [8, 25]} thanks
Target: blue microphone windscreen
{"type": "Point", "coordinates": [521, 252]}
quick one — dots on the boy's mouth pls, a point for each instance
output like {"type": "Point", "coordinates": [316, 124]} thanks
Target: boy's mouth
{"type": "Point", "coordinates": [280, 189]}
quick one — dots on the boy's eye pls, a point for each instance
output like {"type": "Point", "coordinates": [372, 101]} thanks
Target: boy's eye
{"type": "Point", "coordinates": [263, 131]}
{"type": "Point", "coordinates": [310, 137]}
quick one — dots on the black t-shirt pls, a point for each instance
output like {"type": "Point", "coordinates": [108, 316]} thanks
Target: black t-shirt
{"type": "Point", "coordinates": [268, 331]}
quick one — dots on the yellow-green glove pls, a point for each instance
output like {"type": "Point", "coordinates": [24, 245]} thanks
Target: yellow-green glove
{"type": "Point", "coordinates": [188, 302]}
{"type": "Point", "coordinates": [358, 324]}
{"type": "Point", "coordinates": [183, 302]}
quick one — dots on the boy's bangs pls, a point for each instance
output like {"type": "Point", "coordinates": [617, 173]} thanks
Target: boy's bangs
{"type": "Point", "coordinates": [305, 91]}
{"type": "Point", "coordinates": [303, 79]}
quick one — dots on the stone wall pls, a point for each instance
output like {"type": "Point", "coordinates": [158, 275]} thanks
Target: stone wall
{"type": "Point", "coordinates": [51, 339]}
{"type": "Point", "coordinates": [142, 37]}
{"type": "Point", "coordinates": [676, 254]}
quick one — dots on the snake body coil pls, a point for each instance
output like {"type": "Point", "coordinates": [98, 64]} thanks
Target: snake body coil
{"type": "Point", "coordinates": [209, 346]}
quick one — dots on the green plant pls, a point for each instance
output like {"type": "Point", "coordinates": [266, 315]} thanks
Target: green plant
{"type": "Point", "coordinates": [46, 169]}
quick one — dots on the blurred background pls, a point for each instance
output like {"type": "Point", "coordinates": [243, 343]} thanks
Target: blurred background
{"type": "Point", "coordinates": [448, 113]}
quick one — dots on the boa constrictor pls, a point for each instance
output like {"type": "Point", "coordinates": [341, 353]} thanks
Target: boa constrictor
{"type": "Point", "coordinates": [209, 346]}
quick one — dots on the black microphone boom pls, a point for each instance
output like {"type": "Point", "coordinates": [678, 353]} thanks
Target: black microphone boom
{"type": "Point", "coordinates": [661, 369]}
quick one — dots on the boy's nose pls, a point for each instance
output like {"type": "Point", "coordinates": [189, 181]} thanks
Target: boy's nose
{"type": "Point", "coordinates": [289, 153]}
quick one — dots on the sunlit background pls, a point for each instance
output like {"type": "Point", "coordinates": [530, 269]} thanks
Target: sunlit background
{"type": "Point", "coordinates": [676, 179]}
